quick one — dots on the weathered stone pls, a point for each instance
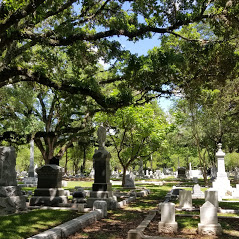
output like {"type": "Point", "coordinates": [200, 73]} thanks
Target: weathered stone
{"type": "Point", "coordinates": [167, 223]}
{"type": "Point", "coordinates": [197, 193]}
{"type": "Point", "coordinates": [101, 205]}
{"type": "Point", "coordinates": [129, 181]}
{"type": "Point", "coordinates": [50, 176]}
{"type": "Point", "coordinates": [7, 166]}
{"type": "Point", "coordinates": [222, 183]}
{"type": "Point", "coordinates": [212, 197]}
{"type": "Point", "coordinates": [182, 173]}
{"type": "Point", "coordinates": [208, 220]}
{"type": "Point", "coordinates": [49, 191]}
{"type": "Point", "coordinates": [185, 199]}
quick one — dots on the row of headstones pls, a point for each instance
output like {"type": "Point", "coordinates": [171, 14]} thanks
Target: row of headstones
{"type": "Point", "coordinates": [208, 219]}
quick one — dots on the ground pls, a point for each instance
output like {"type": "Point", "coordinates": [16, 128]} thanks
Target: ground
{"type": "Point", "coordinates": [119, 222]}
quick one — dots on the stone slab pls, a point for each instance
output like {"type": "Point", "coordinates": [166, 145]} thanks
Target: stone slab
{"type": "Point", "coordinates": [210, 229]}
{"type": "Point", "coordinates": [51, 192]}
{"type": "Point", "coordinates": [47, 201]}
{"type": "Point", "coordinates": [111, 202]}
{"type": "Point", "coordinates": [70, 227]}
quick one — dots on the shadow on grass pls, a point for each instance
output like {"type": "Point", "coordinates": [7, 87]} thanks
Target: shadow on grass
{"type": "Point", "coordinates": [27, 224]}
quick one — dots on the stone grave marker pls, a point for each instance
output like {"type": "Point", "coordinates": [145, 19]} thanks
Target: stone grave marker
{"type": "Point", "coordinates": [49, 190]}
{"type": "Point", "coordinates": [167, 223]}
{"type": "Point", "coordinates": [11, 197]}
{"type": "Point", "coordinates": [212, 197]}
{"type": "Point", "coordinates": [185, 199]}
{"type": "Point", "coordinates": [102, 187]}
{"type": "Point", "coordinates": [208, 220]}
{"type": "Point", "coordinates": [129, 181]}
{"type": "Point", "coordinates": [182, 172]}
{"type": "Point", "coordinates": [197, 193]}
{"type": "Point", "coordinates": [222, 183]}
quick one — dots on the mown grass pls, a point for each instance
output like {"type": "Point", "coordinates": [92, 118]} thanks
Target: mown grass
{"type": "Point", "coordinates": [24, 225]}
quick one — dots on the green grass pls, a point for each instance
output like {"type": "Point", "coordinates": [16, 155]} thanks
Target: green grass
{"type": "Point", "coordinates": [72, 184]}
{"type": "Point", "coordinates": [24, 225]}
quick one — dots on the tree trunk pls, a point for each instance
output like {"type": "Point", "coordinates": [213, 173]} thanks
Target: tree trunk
{"type": "Point", "coordinates": [66, 162]}
{"type": "Point", "coordinates": [124, 174]}
{"type": "Point", "coordinates": [84, 160]}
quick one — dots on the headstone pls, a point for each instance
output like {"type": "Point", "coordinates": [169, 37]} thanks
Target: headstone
{"type": "Point", "coordinates": [167, 223]}
{"type": "Point", "coordinates": [197, 193]}
{"type": "Point", "coordinates": [141, 169]}
{"type": "Point", "coordinates": [182, 173]}
{"type": "Point", "coordinates": [236, 174]}
{"type": "Point", "coordinates": [31, 180]}
{"type": "Point", "coordinates": [129, 181]}
{"type": "Point", "coordinates": [92, 173]}
{"type": "Point", "coordinates": [157, 174]}
{"type": "Point", "coordinates": [49, 190]}
{"type": "Point", "coordinates": [190, 170]}
{"type": "Point", "coordinates": [208, 220]}
{"type": "Point", "coordinates": [102, 188]}
{"type": "Point", "coordinates": [185, 199]}
{"type": "Point", "coordinates": [213, 172]}
{"type": "Point", "coordinates": [222, 183]}
{"type": "Point", "coordinates": [212, 197]}
{"type": "Point", "coordinates": [11, 197]}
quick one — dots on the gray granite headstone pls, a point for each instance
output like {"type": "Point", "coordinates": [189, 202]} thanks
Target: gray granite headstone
{"type": "Point", "coordinates": [11, 198]}
{"type": "Point", "coordinates": [49, 190]}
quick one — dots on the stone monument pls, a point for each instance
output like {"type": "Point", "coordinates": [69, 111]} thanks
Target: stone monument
{"type": "Point", "coordinates": [185, 199]}
{"type": "Point", "coordinates": [49, 190]}
{"type": "Point", "coordinates": [212, 196]}
{"type": "Point", "coordinates": [11, 198]}
{"type": "Point", "coordinates": [208, 220]}
{"type": "Point", "coordinates": [129, 180]}
{"type": "Point", "coordinates": [31, 180]}
{"type": "Point", "coordinates": [222, 183]}
{"type": "Point", "coordinates": [167, 223]}
{"type": "Point", "coordinates": [102, 188]}
{"type": "Point", "coordinates": [182, 172]}
{"type": "Point", "coordinates": [197, 193]}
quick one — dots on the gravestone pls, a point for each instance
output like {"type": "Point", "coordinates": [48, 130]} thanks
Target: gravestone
{"type": "Point", "coordinates": [157, 174]}
{"type": "Point", "coordinates": [208, 220]}
{"type": "Point", "coordinates": [102, 188]}
{"type": "Point", "coordinates": [49, 190]}
{"type": "Point", "coordinates": [222, 183]}
{"type": "Point", "coordinates": [182, 172]}
{"type": "Point", "coordinates": [129, 181]}
{"type": "Point", "coordinates": [11, 197]}
{"type": "Point", "coordinates": [185, 199]}
{"type": "Point", "coordinates": [197, 193]}
{"type": "Point", "coordinates": [31, 180]}
{"type": "Point", "coordinates": [167, 223]}
{"type": "Point", "coordinates": [212, 197]}
{"type": "Point", "coordinates": [236, 174]}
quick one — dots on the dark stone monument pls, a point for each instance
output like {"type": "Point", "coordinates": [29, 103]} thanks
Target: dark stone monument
{"type": "Point", "coordinates": [182, 172]}
{"type": "Point", "coordinates": [49, 191]}
{"type": "Point", "coordinates": [11, 197]}
{"type": "Point", "coordinates": [102, 188]}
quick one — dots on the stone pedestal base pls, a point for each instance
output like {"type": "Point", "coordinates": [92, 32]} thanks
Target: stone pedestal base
{"type": "Point", "coordinates": [48, 197]}
{"type": "Point", "coordinates": [9, 205]}
{"type": "Point", "coordinates": [210, 229]}
{"type": "Point", "coordinates": [167, 227]}
{"type": "Point", "coordinates": [106, 196]}
{"type": "Point", "coordinates": [101, 194]}
{"type": "Point", "coordinates": [111, 202]}
{"type": "Point", "coordinates": [47, 201]}
{"type": "Point", "coordinates": [11, 200]}
{"type": "Point", "coordinates": [102, 187]}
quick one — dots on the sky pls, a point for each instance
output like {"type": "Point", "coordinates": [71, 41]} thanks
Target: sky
{"type": "Point", "coordinates": [141, 47]}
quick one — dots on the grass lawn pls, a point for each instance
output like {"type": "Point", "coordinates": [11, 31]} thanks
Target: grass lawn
{"type": "Point", "coordinates": [27, 224]}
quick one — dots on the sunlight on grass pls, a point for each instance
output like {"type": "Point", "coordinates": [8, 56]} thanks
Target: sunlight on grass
{"type": "Point", "coordinates": [27, 224]}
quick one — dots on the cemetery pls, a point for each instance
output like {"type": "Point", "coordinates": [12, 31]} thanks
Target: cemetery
{"type": "Point", "coordinates": [119, 119]}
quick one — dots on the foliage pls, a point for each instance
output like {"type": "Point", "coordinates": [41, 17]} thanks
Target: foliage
{"type": "Point", "coordinates": [136, 132]}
